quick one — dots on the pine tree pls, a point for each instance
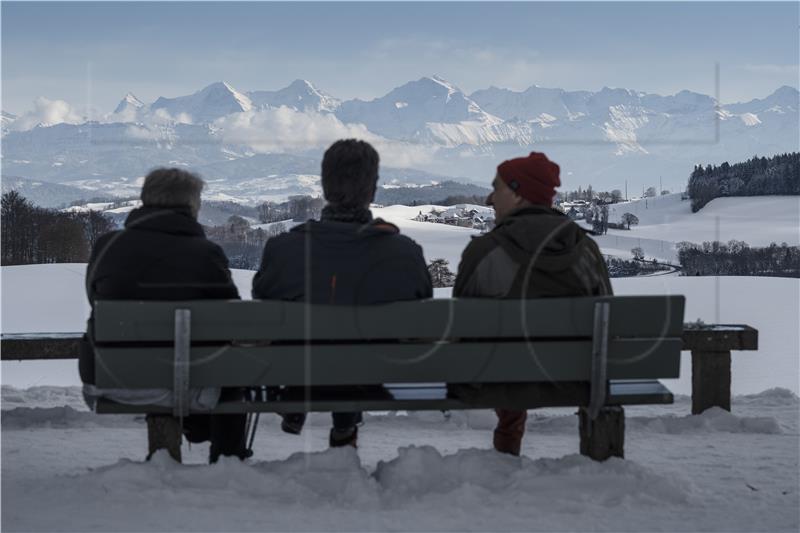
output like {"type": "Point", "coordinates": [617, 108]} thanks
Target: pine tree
{"type": "Point", "coordinates": [441, 276]}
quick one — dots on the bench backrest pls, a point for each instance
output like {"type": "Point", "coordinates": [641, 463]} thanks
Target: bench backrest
{"type": "Point", "coordinates": [253, 343]}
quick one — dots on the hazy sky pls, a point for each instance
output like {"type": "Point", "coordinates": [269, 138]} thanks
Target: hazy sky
{"type": "Point", "coordinates": [91, 54]}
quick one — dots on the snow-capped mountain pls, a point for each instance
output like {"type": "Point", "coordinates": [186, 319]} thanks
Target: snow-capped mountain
{"type": "Point", "coordinates": [300, 95]}
{"type": "Point", "coordinates": [602, 137]}
{"type": "Point", "coordinates": [206, 105]}
{"type": "Point", "coordinates": [129, 103]}
{"type": "Point", "coordinates": [430, 110]}
{"type": "Point", "coordinates": [534, 103]}
{"type": "Point", "coordinates": [785, 100]}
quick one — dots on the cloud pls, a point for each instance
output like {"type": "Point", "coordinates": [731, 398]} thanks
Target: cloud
{"type": "Point", "coordinates": [48, 113]}
{"type": "Point", "coordinates": [287, 130]}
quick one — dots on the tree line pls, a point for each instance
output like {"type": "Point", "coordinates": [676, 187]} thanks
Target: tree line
{"type": "Point", "coordinates": [737, 258]}
{"type": "Point", "coordinates": [759, 176]}
{"type": "Point", "coordinates": [35, 235]}
{"type": "Point", "coordinates": [297, 208]}
{"type": "Point", "coordinates": [242, 244]}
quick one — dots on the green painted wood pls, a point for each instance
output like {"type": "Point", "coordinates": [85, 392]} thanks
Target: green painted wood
{"type": "Point", "coordinates": [29, 346]}
{"type": "Point", "coordinates": [489, 362]}
{"type": "Point", "coordinates": [711, 338]}
{"type": "Point", "coordinates": [427, 398]}
{"type": "Point", "coordinates": [255, 320]}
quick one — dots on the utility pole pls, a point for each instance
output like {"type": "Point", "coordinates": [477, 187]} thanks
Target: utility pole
{"type": "Point", "coordinates": [626, 190]}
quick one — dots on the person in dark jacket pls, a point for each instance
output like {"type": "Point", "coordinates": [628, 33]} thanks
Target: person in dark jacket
{"type": "Point", "coordinates": [163, 254]}
{"type": "Point", "coordinates": [534, 251]}
{"type": "Point", "coordinates": [345, 258]}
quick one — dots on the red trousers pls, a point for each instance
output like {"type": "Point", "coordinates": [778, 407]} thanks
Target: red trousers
{"type": "Point", "coordinates": [509, 431]}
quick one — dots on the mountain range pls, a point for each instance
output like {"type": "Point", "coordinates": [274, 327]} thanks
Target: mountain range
{"type": "Point", "coordinates": [601, 138]}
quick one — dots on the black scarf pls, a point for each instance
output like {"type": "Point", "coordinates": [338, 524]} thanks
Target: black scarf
{"type": "Point", "coordinates": [340, 213]}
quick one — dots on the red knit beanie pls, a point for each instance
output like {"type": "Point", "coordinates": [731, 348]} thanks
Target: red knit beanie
{"type": "Point", "coordinates": [535, 177]}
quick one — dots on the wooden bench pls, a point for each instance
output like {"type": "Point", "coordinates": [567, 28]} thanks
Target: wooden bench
{"type": "Point", "coordinates": [710, 345]}
{"type": "Point", "coordinates": [597, 354]}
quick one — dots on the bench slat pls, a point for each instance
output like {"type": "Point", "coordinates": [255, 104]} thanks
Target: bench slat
{"type": "Point", "coordinates": [388, 363]}
{"type": "Point", "coordinates": [631, 316]}
{"type": "Point", "coordinates": [432, 398]}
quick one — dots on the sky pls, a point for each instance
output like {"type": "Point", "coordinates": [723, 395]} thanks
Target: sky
{"type": "Point", "coordinates": [92, 54]}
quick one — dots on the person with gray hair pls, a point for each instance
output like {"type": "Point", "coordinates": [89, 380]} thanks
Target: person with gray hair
{"type": "Point", "coordinates": [162, 253]}
{"type": "Point", "coordinates": [172, 187]}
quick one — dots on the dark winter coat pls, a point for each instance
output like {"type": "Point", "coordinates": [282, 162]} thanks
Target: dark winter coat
{"type": "Point", "coordinates": [162, 254]}
{"type": "Point", "coordinates": [348, 264]}
{"type": "Point", "coordinates": [534, 252]}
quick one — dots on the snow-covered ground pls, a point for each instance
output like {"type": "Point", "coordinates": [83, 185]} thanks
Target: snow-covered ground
{"type": "Point", "coordinates": [667, 220]}
{"type": "Point", "coordinates": [64, 468]}
{"type": "Point", "coordinates": [756, 220]}
{"type": "Point", "coordinates": [663, 222]}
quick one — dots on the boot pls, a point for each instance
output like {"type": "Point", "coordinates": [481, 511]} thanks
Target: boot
{"type": "Point", "coordinates": [343, 437]}
{"type": "Point", "coordinates": [509, 431]}
{"type": "Point", "coordinates": [227, 437]}
{"type": "Point", "coordinates": [163, 432]}
{"type": "Point", "coordinates": [292, 423]}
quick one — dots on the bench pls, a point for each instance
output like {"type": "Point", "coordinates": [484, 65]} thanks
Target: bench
{"type": "Point", "coordinates": [710, 346]}
{"type": "Point", "coordinates": [597, 354]}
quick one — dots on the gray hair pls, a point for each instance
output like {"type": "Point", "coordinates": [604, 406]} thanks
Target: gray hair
{"type": "Point", "coordinates": [172, 187]}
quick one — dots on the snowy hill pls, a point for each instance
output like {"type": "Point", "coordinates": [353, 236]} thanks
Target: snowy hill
{"type": "Point", "coordinates": [43, 193]}
{"type": "Point", "coordinates": [667, 220]}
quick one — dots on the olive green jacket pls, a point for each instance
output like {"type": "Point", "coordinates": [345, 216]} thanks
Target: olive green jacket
{"type": "Point", "coordinates": [533, 252]}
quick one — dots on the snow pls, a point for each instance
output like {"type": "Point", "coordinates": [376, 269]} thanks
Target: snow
{"type": "Point", "coordinates": [67, 469]}
{"type": "Point", "coordinates": [750, 119]}
{"type": "Point", "coordinates": [667, 220]}
{"type": "Point", "coordinates": [438, 241]}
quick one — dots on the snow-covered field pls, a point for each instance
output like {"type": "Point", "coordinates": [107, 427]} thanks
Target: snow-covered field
{"type": "Point", "coordinates": [663, 222]}
{"type": "Point", "coordinates": [66, 469]}
{"type": "Point", "coordinates": [667, 220]}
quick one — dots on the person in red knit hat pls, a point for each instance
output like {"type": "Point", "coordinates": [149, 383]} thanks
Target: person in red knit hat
{"type": "Point", "coordinates": [534, 251]}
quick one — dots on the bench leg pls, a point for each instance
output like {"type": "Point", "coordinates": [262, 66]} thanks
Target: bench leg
{"type": "Point", "coordinates": [164, 432]}
{"type": "Point", "coordinates": [604, 436]}
{"type": "Point", "coordinates": [711, 380]}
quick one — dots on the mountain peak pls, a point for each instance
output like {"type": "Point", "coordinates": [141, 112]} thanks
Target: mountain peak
{"type": "Point", "coordinates": [438, 80]}
{"type": "Point", "coordinates": [207, 104]}
{"type": "Point", "coordinates": [301, 84]}
{"type": "Point", "coordinates": [301, 95]}
{"type": "Point", "coordinates": [129, 102]}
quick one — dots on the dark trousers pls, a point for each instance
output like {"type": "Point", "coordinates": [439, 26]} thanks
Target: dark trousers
{"type": "Point", "coordinates": [226, 432]}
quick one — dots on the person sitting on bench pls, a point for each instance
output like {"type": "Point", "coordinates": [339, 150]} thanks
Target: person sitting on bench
{"type": "Point", "coordinates": [163, 254]}
{"type": "Point", "coordinates": [345, 258]}
{"type": "Point", "coordinates": [534, 251]}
